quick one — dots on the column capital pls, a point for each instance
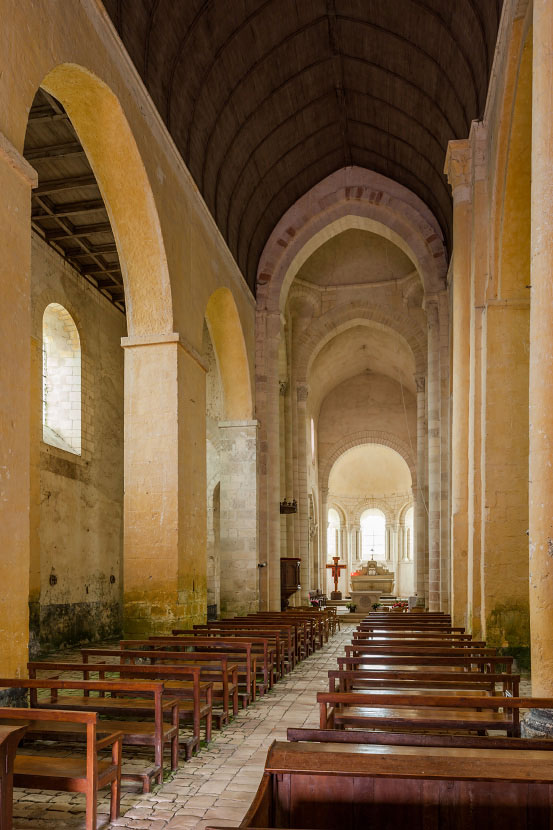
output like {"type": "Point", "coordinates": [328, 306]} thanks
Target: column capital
{"type": "Point", "coordinates": [420, 381]}
{"type": "Point", "coordinates": [458, 168]}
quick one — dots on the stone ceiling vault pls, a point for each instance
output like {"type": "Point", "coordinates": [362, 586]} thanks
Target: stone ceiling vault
{"type": "Point", "coordinates": [265, 98]}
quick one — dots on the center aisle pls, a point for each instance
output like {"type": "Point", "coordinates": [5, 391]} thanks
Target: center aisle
{"type": "Point", "coordinates": [218, 785]}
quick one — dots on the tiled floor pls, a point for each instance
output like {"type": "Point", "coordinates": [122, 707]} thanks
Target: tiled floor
{"type": "Point", "coordinates": [218, 785]}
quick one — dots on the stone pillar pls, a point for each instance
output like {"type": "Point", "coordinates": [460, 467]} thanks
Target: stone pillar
{"type": "Point", "coordinates": [541, 368]}
{"type": "Point", "coordinates": [165, 524]}
{"type": "Point", "coordinates": [323, 524]}
{"type": "Point", "coordinates": [238, 540]}
{"type": "Point", "coordinates": [302, 517]}
{"type": "Point", "coordinates": [458, 169]}
{"type": "Point", "coordinates": [268, 332]}
{"type": "Point", "coordinates": [434, 455]}
{"type": "Point", "coordinates": [445, 532]}
{"type": "Point", "coordinates": [418, 495]}
{"type": "Point", "coordinates": [17, 178]}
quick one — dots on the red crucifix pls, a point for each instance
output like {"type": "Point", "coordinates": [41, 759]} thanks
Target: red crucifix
{"type": "Point", "coordinates": [335, 573]}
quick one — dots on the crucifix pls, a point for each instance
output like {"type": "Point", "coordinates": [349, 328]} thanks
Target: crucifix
{"type": "Point", "coordinates": [335, 573]}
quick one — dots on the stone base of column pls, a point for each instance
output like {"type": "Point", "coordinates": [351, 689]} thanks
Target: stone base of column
{"type": "Point", "coordinates": [538, 723]}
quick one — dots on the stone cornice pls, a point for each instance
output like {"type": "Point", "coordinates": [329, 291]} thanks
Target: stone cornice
{"type": "Point", "coordinates": [15, 160]}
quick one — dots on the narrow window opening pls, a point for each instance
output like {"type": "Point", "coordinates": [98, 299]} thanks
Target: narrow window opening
{"type": "Point", "coordinates": [61, 380]}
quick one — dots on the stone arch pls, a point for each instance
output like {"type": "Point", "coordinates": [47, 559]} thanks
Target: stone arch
{"type": "Point", "coordinates": [226, 334]}
{"type": "Point", "coordinates": [99, 120]}
{"type": "Point", "coordinates": [348, 442]}
{"type": "Point", "coordinates": [375, 504]}
{"type": "Point", "coordinates": [335, 505]}
{"type": "Point", "coordinates": [352, 197]}
{"type": "Point", "coordinates": [343, 317]}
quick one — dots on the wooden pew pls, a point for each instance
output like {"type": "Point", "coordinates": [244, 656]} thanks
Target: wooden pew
{"type": "Point", "coordinates": [461, 662]}
{"type": "Point", "coordinates": [423, 638]}
{"type": "Point", "coordinates": [448, 682]}
{"type": "Point", "coordinates": [215, 668]}
{"type": "Point", "coordinates": [194, 697]}
{"type": "Point", "coordinates": [255, 655]}
{"type": "Point", "coordinates": [156, 734]}
{"type": "Point", "coordinates": [285, 637]}
{"type": "Point", "coordinates": [303, 629]}
{"type": "Point", "coordinates": [72, 773]}
{"type": "Point", "coordinates": [10, 735]}
{"type": "Point", "coordinates": [451, 787]}
{"type": "Point", "coordinates": [407, 712]}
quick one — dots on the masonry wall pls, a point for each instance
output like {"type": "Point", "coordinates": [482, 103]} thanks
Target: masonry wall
{"type": "Point", "coordinates": [366, 402]}
{"type": "Point", "coordinates": [77, 508]}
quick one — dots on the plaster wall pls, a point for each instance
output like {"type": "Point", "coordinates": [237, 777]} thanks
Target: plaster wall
{"type": "Point", "coordinates": [77, 543]}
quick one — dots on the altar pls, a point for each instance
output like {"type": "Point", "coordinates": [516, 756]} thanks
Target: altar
{"type": "Point", "coordinates": [369, 583]}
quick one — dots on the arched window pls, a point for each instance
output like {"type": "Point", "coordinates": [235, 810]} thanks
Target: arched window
{"type": "Point", "coordinates": [409, 532]}
{"type": "Point", "coordinates": [333, 529]}
{"type": "Point", "coordinates": [61, 380]}
{"type": "Point", "coordinates": [373, 534]}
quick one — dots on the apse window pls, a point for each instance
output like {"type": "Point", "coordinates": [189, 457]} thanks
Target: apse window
{"type": "Point", "coordinates": [61, 380]}
{"type": "Point", "coordinates": [332, 532]}
{"type": "Point", "coordinates": [373, 534]}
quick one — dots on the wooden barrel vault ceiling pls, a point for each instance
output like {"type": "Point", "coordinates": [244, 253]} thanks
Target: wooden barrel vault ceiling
{"type": "Point", "coordinates": [264, 98]}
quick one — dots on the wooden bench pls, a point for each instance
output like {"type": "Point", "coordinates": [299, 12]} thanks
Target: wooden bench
{"type": "Point", "coordinates": [330, 785]}
{"type": "Point", "coordinates": [256, 656]}
{"type": "Point", "coordinates": [73, 773]}
{"type": "Point", "coordinates": [194, 698]}
{"type": "Point", "coordinates": [10, 735]}
{"type": "Point", "coordinates": [156, 734]}
{"type": "Point", "coordinates": [407, 712]}
{"type": "Point", "coordinates": [215, 668]}
{"type": "Point", "coordinates": [406, 649]}
{"type": "Point", "coordinates": [448, 682]}
{"type": "Point", "coordinates": [306, 640]}
{"type": "Point", "coordinates": [284, 636]}
{"type": "Point", "coordinates": [461, 662]}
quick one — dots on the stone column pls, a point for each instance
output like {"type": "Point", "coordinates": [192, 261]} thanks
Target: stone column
{"type": "Point", "coordinates": [420, 548]}
{"type": "Point", "coordinates": [541, 368]}
{"type": "Point", "coordinates": [238, 540]}
{"type": "Point", "coordinates": [434, 455]}
{"type": "Point", "coordinates": [458, 169]}
{"type": "Point", "coordinates": [165, 524]}
{"type": "Point", "coordinates": [323, 524]}
{"type": "Point", "coordinates": [445, 532]}
{"type": "Point", "coordinates": [17, 178]}
{"type": "Point", "coordinates": [302, 517]}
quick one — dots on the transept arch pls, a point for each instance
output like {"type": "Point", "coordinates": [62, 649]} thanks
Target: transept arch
{"type": "Point", "coordinates": [98, 119]}
{"type": "Point", "coordinates": [352, 197]}
{"type": "Point", "coordinates": [348, 442]}
{"type": "Point", "coordinates": [340, 318]}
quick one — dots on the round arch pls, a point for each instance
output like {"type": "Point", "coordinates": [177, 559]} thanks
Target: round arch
{"type": "Point", "coordinates": [106, 137]}
{"type": "Point", "coordinates": [348, 442]}
{"type": "Point", "coordinates": [352, 197]}
{"type": "Point", "coordinates": [341, 318]}
{"type": "Point", "coordinates": [226, 334]}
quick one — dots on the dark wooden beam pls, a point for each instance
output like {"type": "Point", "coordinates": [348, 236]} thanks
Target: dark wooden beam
{"type": "Point", "coordinates": [78, 232]}
{"type": "Point", "coordinates": [56, 185]}
{"type": "Point", "coordinates": [70, 148]}
{"type": "Point", "coordinates": [72, 208]}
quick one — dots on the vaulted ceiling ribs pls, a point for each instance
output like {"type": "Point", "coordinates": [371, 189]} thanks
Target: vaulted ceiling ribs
{"type": "Point", "coordinates": [264, 98]}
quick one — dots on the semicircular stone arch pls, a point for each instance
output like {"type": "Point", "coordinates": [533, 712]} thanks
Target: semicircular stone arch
{"type": "Point", "coordinates": [343, 317]}
{"type": "Point", "coordinates": [105, 134]}
{"type": "Point", "coordinates": [352, 197]}
{"type": "Point", "coordinates": [357, 439]}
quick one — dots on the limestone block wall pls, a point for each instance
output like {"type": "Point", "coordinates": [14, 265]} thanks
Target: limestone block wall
{"type": "Point", "coordinates": [366, 402]}
{"type": "Point", "coordinates": [77, 505]}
